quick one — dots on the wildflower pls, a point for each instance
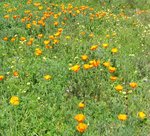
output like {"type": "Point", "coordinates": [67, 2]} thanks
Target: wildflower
{"type": "Point", "coordinates": [84, 57]}
{"type": "Point", "coordinates": [22, 38]}
{"type": "Point", "coordinates": [81, 105]}
{"type": "Point", "coordinates": [57, 34]}
{"type": "Point", "coordinates": [38, 51]}
{"type": "Point", "coordinates": [51, 37]}
{"type": "Point", "coordinates": [5, 38]}
{"type": "Point", "coordinates": [111, 69]}
{"type": "Point", "coordinates": [133, 84]}
{"type": "Point", "coordinates": [47, 77]}
{"type": "Point", "coordinates": [40, 7]}
{"type": "Point", "coordinates": [119, 88]}
{"type": "Point", "coordinates": [122, 117]}
{"type": "Point", "coordinates": [106, 64]}
{"type": "Point", "coordinates": [28, 26]}
{"type": "Point", "coordinates": [79, 117]}
{"type": "Point", "coordinates": [16, 74]}
{"type": "Point", "coordinates": [81, 127]}
{"type": "Point", "coordinates": [55, 41]}
{"type": "Point", "coordinates": [114, 50]}
{"type": "Point", "coordinates": [55, 23]}
{"type": "Point", "coordinates": [107, 36]}
{"type": "Point", "coordinates": [91, 35]}
{"type": "Point", "coordinates": [46, 42]}
{"type": "Point", "coordinates": [14, 100]}
{"type": "Point", "coordinates": [60, 30]}
{"type": "Point", "coordinates": [113, 78]}
{"type": "Point", "coordinates": [87, 66]}
{"type": "Point", "coordinates": [1, 77]}
{"type": "Point", "coordinates": [6, 16]}
{"type": "Point", "coordinates": [105, 45]}
{"type": "Point", "coordinates": [13, 39]}
{"type": "Point", "coordinates": [75, 68]}
{"type": "Point", "coordinates": [95, 63]}
{"type": "Point", "coordinates": [141, 115]}
{"type": "Point", "coordinates": [94, 47]}
{"type": "Point", "coordinates": [40, 36]}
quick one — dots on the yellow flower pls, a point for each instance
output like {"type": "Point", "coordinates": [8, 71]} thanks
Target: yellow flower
{"type": "Point", "coordinates": [111, 69]}
{"type": "Point", "coordinates": [15, 73]}
{"type": "Point", "coordinates": [107, 36]}
{"type": "Point", "coordinates": [55, 23]}
{"type": "Point", "coordinates": [14, 100]}
{"type": "Point", "coordinates": [13, 39]}
{"type": "Point", "coordinates": [81, 127]}
{"type": "Point", "coordinates": [28, 26]}
{"type": "Point", "coordinates": [119, 88]}
{"type": "Point", "coordinates": [5, 38]}
{"type": "Point", "coordinates": [94, 47]}
{"type": "Point", "coordinates": [40, 36]}
{"type": "Point", "coordinates": [87, 66]}
{"type": "Point", "coordinates": [113, 78]}
{"type": "Point", "coordinates": [81, 105]}
{"type": "Point", "coordinates": [1, 77]}
{"type": "Point", "coordinates": [79, 117]}
{"type": "Point", "coordinates": [22, 39]}
{"type": "Point", "coordinates": [141, 115]}
{"type": "Point", "coordinates": [91, 35]}
{"type": "Point", "coordinates": [106, 64]}
{"type": "Point", "coordinates": [122, 117]}
{"type": "Point", "coordinates": [51, 37]}
{"type": "Point", "coordinates": [55, 41]}
{"type": "Point", "coordinates": [95, 63]}
{"type": "Point", "coordinates": [114, 50]}
{"type": "Point", "coordinates": [75, 68]}
{"type": "Point", "coordinates": [47, 77]}
{"type": "Point", "coordinates": [38, 51]}
{"type": "Point", "coordinates": [84, 57]}
{"type": "Point", "coordinates": [46, 42]}
{"type": "Point", "coordinates": [133, 84]}
{"type": "Point", "coordinates": [105, 45]}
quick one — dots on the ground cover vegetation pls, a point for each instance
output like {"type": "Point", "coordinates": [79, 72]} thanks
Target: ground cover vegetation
{"type": "Point", "coordinates": [71, 68]}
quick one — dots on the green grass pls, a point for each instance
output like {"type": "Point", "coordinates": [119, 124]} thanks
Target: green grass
{"type": "Point", "coordinates": [48, 107]}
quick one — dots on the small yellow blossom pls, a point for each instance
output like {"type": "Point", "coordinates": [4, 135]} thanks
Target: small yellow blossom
{"type": "Point", "coordinates": [106, 64]}
{"type": "Point", "coordinates": [81, 127]}
{"type": "Point", "coordinates": [47, 77]}
{"type": "Point", "coordinates": [111, 69]}
{"type": "Point", "coordinates": [94, 47]}
{"type": "Point", "coordinates": [1, 77]}
{"type": "Point", "coordinates": [84, 57]}
{"type": "Point", "coordinates": [122, 117]}
{"type": "Point", "coordinates": [141, 115]}
{"type": "Point", "coordinates": [46, 42]}
{"type": "Point", "coordinates": [114, 50]}
{"type": "Point", "coordinates": [87, 66]}
{"type": "Point", "coordinates": [119, 88]}
{"type": "Point", "coordinates": [14, 100]}
{"type": "Point", "coordinates": [38, 51]}
{"type": "Point", "coordinates": [75, 68]}
{"type": "Point", "coordinates": [133, 84]}
{"type": "Point", "coordinates": [95, 63]}
{"type": "Point", "coordinates": [105, 45]}
{"type": "Point", "coordinates": [81, 105]}
{"type": "Point", "coordinates": [113, 78]}
{"type": "Point", "coordinates": [79, 117]}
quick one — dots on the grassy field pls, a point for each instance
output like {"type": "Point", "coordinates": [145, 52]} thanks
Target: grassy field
{"type": "Point", "coordinates": [72, 68]}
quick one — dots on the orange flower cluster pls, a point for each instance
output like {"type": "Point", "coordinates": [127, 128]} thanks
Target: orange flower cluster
{"type": "Point", "coordinates": [81, 127]}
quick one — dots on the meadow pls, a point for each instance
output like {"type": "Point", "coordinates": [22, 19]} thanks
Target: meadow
{"type": "Point", "coordinates": [75, 68]}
